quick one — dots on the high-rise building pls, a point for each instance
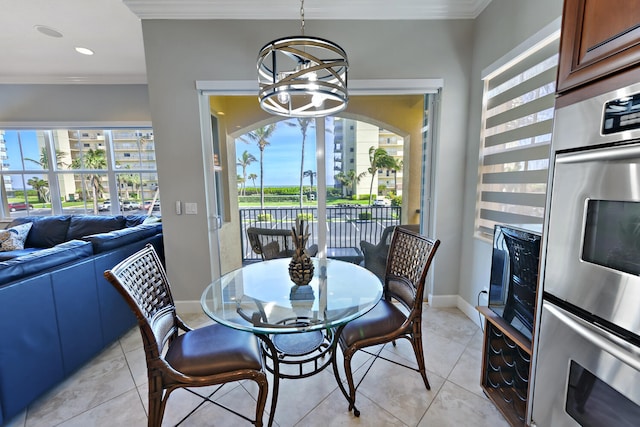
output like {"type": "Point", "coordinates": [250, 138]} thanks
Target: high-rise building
{"type": "Point", "coordinates": [352, 142]}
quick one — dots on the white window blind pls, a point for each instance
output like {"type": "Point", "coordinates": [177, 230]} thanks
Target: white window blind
{"type": "Point", "coordinates": [516, 135]}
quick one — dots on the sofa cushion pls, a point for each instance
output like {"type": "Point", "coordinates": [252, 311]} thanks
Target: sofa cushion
{"type": "Point", "coordinates": [107, 241]}
{"type": "Point", "coordinates": [152, 219]}
{"type": "Point", "coordinates": [46, 232]}
{"type": "Point", "coordinates": [12, 239]}
{"type": "Point", "coordinates": [133, 220]}
{"type": "Point", "coordinates": [44, 259]}
{"type": "Point", "coordinates": [14, 254]}
{"type": "Point", "coordinates": [85, 225]}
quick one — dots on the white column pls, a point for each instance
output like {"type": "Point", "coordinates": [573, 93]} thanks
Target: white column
{"type": "Point", "coordinates": [322, 187]}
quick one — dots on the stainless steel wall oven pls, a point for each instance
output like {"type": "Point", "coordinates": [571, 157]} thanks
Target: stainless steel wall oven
{"type": "Point", "coordinates": [587, 369]}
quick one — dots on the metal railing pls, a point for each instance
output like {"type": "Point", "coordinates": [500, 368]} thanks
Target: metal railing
{"type": "Point", "coordinates": [346, 225]}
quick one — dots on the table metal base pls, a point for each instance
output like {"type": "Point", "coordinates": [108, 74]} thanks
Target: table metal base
{"type": "Point", "coordinates": [296, 355]}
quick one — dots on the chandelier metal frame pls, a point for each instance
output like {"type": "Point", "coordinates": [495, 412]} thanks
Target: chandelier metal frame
{"type": "Point", "coordinates": [301, 76]}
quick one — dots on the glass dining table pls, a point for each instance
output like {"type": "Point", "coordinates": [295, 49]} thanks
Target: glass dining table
{"type": "Point", "coordinates": [297, 325]}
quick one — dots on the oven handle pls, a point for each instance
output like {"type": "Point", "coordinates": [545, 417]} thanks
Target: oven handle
{"type": "Point", "coordinates": [612, 344]}
{"type": "Point", "coordinates": [617, 153]}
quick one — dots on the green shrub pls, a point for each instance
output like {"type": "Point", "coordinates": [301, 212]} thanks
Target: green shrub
{"type": "Point", "coordinates": [268, 198]}
{"type": "Point", "coordinates": [334, 193]}
{"type": "Point", "coordinates": [264, 217]}
{"type": "Point", "coordinates": [396, 201]}
{"type": "Point", "coordinates": [305, 216]}
{"type": "Point", "coordinates": [365, 215]}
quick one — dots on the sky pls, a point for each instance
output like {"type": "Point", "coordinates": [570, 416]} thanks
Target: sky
{"type": "Point", "coordinates": [30, 150]}
{"type": "Point", "coordinates": [282, 156]}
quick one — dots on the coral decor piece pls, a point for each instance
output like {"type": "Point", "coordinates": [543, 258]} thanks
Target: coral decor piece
{"type": "Point", "coordinates": [301, 266]}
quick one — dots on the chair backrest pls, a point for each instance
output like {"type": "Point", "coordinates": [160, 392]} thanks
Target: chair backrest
{"type": "Point", "coordinates": [410, 257]}
{"type": "Point", "coordinates": [143, 283]}
{"type": "Point", "coordinates": [270, 243]}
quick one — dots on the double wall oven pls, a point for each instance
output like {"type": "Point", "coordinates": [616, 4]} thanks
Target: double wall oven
{"type": "Point", "coordinates": [587, 370]}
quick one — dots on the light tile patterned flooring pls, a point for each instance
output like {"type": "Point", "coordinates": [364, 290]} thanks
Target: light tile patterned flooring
{"type": "Point", "coordinates": [111, 390]}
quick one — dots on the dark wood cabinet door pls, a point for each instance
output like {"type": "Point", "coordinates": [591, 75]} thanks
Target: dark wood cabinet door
{"type": "Point", "coordinates": [599, 38]}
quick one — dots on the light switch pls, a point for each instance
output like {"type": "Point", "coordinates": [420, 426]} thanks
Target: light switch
{"type": "Point", "coordinates": [191, 208]}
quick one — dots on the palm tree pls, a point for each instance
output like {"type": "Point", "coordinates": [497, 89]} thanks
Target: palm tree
{"type": "Point", "coordinates": [240, 180]}
{"type": "Point", "coordinates": [42, 188]}
{"type": "Point", "coordinates": [244, 161]}
{"type": "Point", "coordinates": [134, 181]}
{"type": "Point", "coordinates": [378, 159]}
{"type": "Point", "coordinates": [43, 162]}
{"type": "Point", "coordinates": [349, 180]}
{"type": "Point", "coordinates": [92, 159]}
{"type": "Point", "coordinates": [261, 136]}
{"type": "Point", "coordinates": [253, 177]}
{"type": "Point", "coordinates": [396, 167]}
{"type": "Point", "coordinates": [303, 123]}
{"type": "Point", "coordinates": [310, 174]}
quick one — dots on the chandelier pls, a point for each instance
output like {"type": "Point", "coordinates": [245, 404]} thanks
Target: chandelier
{"type": "Point", "coordinates": [302, 76]}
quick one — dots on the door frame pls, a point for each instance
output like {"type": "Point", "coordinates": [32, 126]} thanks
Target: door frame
{"type": "Point", "coordinates": [207, 88]}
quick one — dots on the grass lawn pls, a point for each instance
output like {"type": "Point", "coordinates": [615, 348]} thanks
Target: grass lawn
{"type": "Point", "coordinates": [306, 204]}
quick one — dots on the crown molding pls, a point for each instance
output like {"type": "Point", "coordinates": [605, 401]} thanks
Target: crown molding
{"type": "Point", "coordinates": [314, 9]}
{"type": "Point", "coordinates": [103, 79]}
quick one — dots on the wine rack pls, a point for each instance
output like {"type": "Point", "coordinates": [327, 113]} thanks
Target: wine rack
{"type": "Point", "coordinates": [506, 367]}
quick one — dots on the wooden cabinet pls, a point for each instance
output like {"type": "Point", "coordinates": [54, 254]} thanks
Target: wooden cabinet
{"type": "Point", "coordinates": [506, 366]}
{"type": "Point", "coordinates": [599, 38]}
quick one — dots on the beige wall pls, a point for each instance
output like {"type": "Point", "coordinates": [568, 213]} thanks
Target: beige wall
{"type": "Point", "coordinates": [502, 26]}
{"type": "Point", "coordinates": [179, 53]}
{"type": "Point", "coordinates": [70, 104]}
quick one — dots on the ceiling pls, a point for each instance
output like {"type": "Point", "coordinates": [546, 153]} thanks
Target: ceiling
{"type": "Point", "coordinates": [111, 28]}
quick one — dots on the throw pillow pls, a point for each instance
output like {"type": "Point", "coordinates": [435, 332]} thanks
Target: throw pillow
{"type": "Point", "coordinates": [151, 219]}
{"type": "Point", "coordinates": [12, 239]}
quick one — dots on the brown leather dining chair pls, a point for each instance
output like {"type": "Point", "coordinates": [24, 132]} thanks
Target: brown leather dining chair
{"type": "Point", "coordinates": [211, 355]}
{"type": "Point", "coordinates": [397, 315]}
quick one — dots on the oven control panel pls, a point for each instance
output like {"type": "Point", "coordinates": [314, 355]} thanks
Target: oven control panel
{"type": "Point", "coordinates": [621, 114]}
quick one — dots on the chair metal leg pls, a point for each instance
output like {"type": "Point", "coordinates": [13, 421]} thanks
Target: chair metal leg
{"type": "Point", "coordinates": [263, 391]}
{"type": "Point", "coordinates": [418, 349]}
{"type": "Point", "coordinates": [273, 355]}
{"type": "Point", "coordinates": [157, 403]}
{"type": "Point", "coordinates": [352, 388]}
{"type": "Point", "coordinates": [350, 396]}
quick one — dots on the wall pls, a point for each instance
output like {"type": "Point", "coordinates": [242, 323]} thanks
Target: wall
{"type": "Point", "coordinates": [74, 104]}
{"type": "Point", "coordinates": [179, 53]}
{"type": "Point", "coordinates": [501, 27]}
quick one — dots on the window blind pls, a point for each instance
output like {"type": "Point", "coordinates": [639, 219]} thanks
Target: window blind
{"type": "Point", "coordinates": [516, 135]}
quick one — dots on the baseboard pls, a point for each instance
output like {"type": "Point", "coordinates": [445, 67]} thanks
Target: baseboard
{"type": "Point", "coordinates": [443, 301]}
{"type": "Point", "coordinates": [188, 307]}
{"type": "Point", "coordinates": [470, 311]}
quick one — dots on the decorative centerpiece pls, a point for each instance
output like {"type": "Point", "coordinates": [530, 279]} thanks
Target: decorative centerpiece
{"type": "Point", "coordinates": [301, 266]}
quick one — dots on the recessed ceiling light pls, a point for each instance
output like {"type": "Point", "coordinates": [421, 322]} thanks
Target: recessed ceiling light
{"type": "Point", "coordinates": [48, 31]}
{"type": "Point", "coordinates": [84, 51]}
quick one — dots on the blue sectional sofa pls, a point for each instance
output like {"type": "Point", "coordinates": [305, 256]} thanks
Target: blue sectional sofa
{"type": "Point", "coordinates": [56, 309]}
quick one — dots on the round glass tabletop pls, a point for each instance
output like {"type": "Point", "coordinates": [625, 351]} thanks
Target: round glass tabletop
{"type": "Point", "coordinates": [261, 298]}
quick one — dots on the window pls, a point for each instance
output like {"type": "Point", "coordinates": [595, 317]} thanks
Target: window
{"type": "Point", "coordinates": [516, 136]}
{"type": "Point", "coordinates": [65, 171]}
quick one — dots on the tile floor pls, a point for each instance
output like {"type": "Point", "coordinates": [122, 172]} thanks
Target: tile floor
{"type": "Point", "coordinates": [111, 390]}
